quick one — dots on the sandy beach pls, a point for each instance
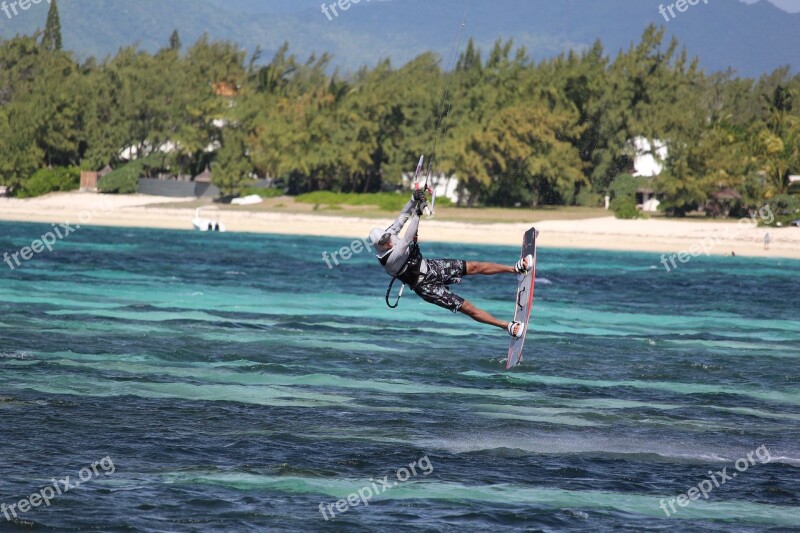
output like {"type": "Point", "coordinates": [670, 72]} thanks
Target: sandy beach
{"type": "Point", "coordinates": [651, 235]}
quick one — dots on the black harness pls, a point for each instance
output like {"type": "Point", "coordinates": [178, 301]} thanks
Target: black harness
{"type": "Point", "coordinates": [409, 274]}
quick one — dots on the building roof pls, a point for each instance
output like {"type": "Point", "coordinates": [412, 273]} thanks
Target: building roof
{"type": "Point", "coordinates": [204, 177]}
{"type": "Point", "coordinates": [726, 194]}
{"type": "Point", "coordinates": [225, 88]}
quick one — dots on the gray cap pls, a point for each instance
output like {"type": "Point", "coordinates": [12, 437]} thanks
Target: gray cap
{"type": "Point", "coordinates": [377, 237]}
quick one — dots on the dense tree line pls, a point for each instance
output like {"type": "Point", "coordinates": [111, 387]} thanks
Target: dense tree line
{"type": "Point", "coordinates": [518, 131]}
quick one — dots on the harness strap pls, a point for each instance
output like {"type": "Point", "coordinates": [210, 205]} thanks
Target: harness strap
{"type": "Point", "coordinates": [389, 292]}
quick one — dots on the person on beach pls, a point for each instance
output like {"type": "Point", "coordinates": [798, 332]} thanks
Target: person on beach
{"type": "Point", "coordinates": [431, 278]}
{"type": "Point", "coordinates": [767, 240]}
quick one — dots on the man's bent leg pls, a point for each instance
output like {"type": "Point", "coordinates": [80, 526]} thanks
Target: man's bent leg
{"type": "Point", "coordinates": [479, 315]}
{"type": "Point", "coordinates": [487, 269]}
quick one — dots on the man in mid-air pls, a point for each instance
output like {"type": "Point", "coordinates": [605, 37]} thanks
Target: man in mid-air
{"type": "Point", "coordinates": [430, 278]}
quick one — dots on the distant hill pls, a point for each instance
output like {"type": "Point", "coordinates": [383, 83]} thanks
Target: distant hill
{"type": "Point", "coordinates": [752, 39]}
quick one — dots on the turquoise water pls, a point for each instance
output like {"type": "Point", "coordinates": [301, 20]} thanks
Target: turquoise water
{"type": "Point", "coordinates": [237, 383]}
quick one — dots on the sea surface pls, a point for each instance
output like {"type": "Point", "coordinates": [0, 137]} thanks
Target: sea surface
{"type": "Point", "coordinates": [233, 382]}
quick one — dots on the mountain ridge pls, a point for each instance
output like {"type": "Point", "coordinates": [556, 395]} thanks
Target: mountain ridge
{"type": "Point", "coordinates": [752, 39]}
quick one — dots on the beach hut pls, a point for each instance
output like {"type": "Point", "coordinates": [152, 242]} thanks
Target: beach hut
{"type": "Point", "coordinates": [646, 199]}
{"type": "Point", "coordinates": [88, 181]}
{"type": "Point", "coordinates": [203, 186]}
{"type": "Point", "coordinates": [722, 201]}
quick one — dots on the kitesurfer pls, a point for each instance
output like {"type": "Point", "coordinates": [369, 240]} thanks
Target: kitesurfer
{"type": "Point", "coordinates": [431, 278]}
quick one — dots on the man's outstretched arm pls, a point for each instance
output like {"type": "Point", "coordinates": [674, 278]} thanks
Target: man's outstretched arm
{"type": "Point", "coordinates": [411, 232]}
{"type": "Point", "coordinates": [398, 224]}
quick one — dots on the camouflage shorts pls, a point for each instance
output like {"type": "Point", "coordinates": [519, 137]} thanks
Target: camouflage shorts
{"type": "Point", "coordinates": [434, 286]}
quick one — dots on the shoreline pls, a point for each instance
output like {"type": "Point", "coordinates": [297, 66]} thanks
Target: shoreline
{"type": "Point", "coordinates": [659, 236]}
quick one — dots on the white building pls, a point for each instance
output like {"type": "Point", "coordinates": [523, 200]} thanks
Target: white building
{"type": "Point", "coordinates": [131, 153]}
{"type": "Point", "coordinates": [648, 161]}
{"type": "Point", "coordinates": [445, 186]}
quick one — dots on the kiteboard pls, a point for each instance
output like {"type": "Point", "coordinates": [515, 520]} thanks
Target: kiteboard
{"type": "Point", "coordinates": [524, 300]}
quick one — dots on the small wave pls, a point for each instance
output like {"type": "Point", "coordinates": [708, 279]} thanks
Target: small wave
{"type": "Point", "coordinates": [612, 447]}
{"type": "Point", "coordinates": [732, 458]}
{"type": "Point", "coordinates": [791, 461]}
{"type": "Point", "coordinates": [543, 281]}
{"type": "Point", "coordinates": [548, 498]}
{"type": "Point", "coordinates": [234, 273]}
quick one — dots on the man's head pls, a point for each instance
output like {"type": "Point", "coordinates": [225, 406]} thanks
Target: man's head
{"type": "Point", "coordinates": [381, 240]}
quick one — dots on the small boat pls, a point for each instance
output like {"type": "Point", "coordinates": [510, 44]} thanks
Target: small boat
{"type": "Point", "coordinates": [253, 199]}
{"type": "Point", "coordinates": [206, 224]}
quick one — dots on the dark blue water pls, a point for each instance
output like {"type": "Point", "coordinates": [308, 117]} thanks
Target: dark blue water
{"type": "Point", "coordinates": [236, 383]}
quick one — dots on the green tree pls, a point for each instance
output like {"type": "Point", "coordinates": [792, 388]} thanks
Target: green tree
{"type": "Point", "coordinates": [778, 143]}
{"type": "Point", "coordinates": [47, 180]}
{"type": "Point", "coordinates": [51, 39]}
{"type": "Point", "coordinates": [20, 155]}
{"type": "Point", "coordinates": [623, 196]}
{"type": "Point", "coordinates": [232, 168]}
{"type": "Point", "coordinates": [515, 132]}
{"type": "Point", "coordinates": [175, 41]}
